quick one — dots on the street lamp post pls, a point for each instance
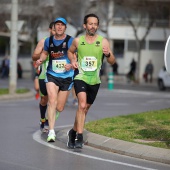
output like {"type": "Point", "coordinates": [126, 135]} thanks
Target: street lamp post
{"type": "Point", "coordinates": [13, 48]}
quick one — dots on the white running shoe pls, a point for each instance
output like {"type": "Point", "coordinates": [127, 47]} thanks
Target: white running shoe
{"type": "Point", "coordinates": [51, 137]}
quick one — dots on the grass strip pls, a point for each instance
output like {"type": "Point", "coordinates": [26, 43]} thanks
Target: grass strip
{"type": "Point", "coordinates": [19, 91]}
{"type": "Point", "coordinates": [149, 128]}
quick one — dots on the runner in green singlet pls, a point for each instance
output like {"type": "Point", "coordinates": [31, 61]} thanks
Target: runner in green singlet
{"type": "Point", "coordinates": [91, 49]}
{"type": "Point", "coordinates": [42, 76]}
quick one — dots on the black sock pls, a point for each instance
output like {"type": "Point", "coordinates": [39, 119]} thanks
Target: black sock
{"type": "Point", "coordinates": [80, 136]}
{"type": "Point", "coordinates": [42, 111]}
{"type": "Point", "coordinates": [73, 131]}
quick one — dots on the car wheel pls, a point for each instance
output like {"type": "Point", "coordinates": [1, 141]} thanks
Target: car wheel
{"type": "Point", "coordinates": [161, 85]}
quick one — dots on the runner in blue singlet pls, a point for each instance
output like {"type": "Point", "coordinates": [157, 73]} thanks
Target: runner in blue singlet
{"type": "Point", "coordinates": [59, 77]}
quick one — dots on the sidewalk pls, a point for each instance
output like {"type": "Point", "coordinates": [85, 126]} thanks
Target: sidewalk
{"type": "Point", "coordinates": [26, 82]}
{"type": "Point", "coordinates": [122, 80]}
{"type": "Point", "coordinates": [9, 97]}
{"type": "Point", "coordinates": [98, 141]}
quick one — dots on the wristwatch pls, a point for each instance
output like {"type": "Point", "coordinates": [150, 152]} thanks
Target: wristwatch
{"type": "Point", "coordinates": [107, 55]}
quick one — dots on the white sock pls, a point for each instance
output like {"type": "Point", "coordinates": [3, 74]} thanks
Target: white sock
{"type": "Point", "coordinates": [52, 131]}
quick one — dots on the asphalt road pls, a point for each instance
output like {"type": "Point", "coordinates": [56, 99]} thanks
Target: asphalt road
{"type": "Point", "coordinates": [23, 147]}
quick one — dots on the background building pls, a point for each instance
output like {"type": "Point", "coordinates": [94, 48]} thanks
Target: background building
{"type": "Point", "coordinates": [147, 23]}
{"type": "Point", "coordinates": [136, 29]}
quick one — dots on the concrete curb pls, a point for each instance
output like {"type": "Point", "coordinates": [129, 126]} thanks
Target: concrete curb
{"type": "Point", "coordinates": [121, 147]}
{"type": "Point", "coordinates": [128, 148]}
{"type": "Point", "coordinates": [6, 97]}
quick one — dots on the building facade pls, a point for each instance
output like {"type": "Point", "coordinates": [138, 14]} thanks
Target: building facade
{"type": "Point", "coordinates": [131, 23]}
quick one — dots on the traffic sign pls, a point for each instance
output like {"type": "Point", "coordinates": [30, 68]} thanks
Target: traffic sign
{"type": "Point", "coordinates": [167, 55]}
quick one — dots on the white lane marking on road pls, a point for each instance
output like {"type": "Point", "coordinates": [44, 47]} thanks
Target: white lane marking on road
{"type": "Point", "coordinates": [158, 101]}
{"type": "Point", "coordinates": [117, 104]}
{"type": "Point", "coordinates": [8, 104]}
{"type": "Point", "coordinates": [124, 91]}
{"type": "Point", "coordinates": [36, 137]}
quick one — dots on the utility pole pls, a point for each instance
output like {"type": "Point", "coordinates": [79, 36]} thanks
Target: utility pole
{"type": "Point", "coordinates": [13, 48]}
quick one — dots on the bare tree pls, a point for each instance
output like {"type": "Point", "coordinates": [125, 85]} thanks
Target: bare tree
{"type": "Point", "coordinates": [148, 13]}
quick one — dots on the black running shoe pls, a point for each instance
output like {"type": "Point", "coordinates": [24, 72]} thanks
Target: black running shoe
{"type": "Point", "coordinates": [46, 122]}
{"type": "Point", "coordinates": [42, 126]}
{"type": "Point", "coordinates": [42, 122]}
{"type": "Point", "coordinates": [71, 139]}
{"type": "Point", "coordinates": [79, 141]}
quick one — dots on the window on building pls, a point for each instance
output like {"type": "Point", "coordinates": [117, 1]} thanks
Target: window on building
{"type": "Point", "coordinates": [25, 49]}
{"type": "Point", "coordinates": [156, 45]}
{"type": "Point", "coordinates": [4, 46]}
{"type": "Point", "coordinates": [118, 48]}
{"type": "Point", "coordinates": [132, 46]}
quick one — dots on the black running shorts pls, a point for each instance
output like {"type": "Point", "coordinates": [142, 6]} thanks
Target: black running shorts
{"type": "Point", "coordinates": [43, 89]}
{"type": "Point", "coordinates": [65, 84]}
{"type": "Point", "coordinates": [90, 90]}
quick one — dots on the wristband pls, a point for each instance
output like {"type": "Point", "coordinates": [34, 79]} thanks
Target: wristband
{"type": "Point", "coordinates": [107, 56]}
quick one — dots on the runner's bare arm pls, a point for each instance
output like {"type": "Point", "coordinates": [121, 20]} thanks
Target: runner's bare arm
{"type": "Point", "coordinates": [107, 52]}
{"type": "Point", "coordinates": [38, 50]}
{"type": "Point", "coordinates": [71, 53]}
{"type": "Point", "coordinates": [42, 58]}
{"type": "Point", "coordinates": [68, 67]}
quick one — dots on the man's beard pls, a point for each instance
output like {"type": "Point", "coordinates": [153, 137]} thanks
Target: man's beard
{"type": "Point", "coordinates": [91, 33]}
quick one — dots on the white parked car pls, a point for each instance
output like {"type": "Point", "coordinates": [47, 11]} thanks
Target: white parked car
{"type": "Point", "coordinates": [163, 79]}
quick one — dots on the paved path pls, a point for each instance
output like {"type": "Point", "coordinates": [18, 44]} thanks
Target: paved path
{"type": "Point", "coordinates": [98, 141]}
